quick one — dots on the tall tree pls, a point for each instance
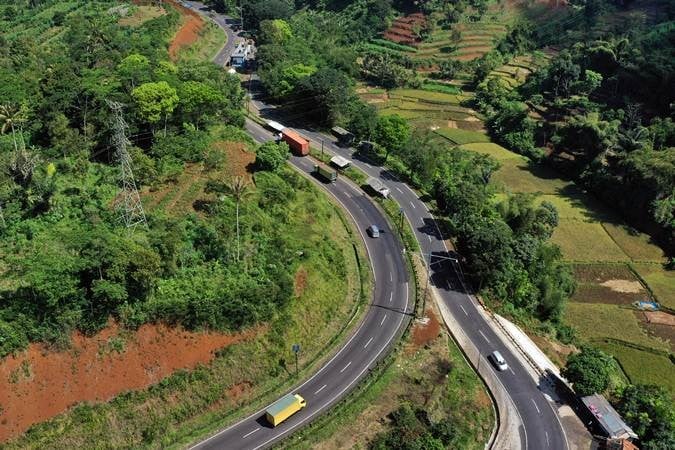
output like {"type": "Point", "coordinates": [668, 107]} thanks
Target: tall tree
{"type": "Point", "coordinates": [155, 100]}
{"type": "Point", "coordinates": [12, 117]}
{"type": "Point", "coordinates": [238, 188]}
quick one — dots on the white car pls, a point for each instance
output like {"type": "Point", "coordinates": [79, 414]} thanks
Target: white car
{"type": "Point", "coordinates": [499, 361]}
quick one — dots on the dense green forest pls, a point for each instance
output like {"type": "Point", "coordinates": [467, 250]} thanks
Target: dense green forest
{"type": "Point", "coordinates": [601, 112]}
{"type": "Point", "coordinates": [66, 260]}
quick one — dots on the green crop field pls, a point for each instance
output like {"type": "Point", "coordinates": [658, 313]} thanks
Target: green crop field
{"type": "Point", "coordinates": [660, 281]}
{"type": "Point", "coordinates": [641, 366]}
{"type": "Point", "coordinates": [574, 204]}
{"type": "Point", "coordinates": [517, 174]}
{"type": "Point", "coordinates": [436, 97]}
{"type": "Point", "coordinates": [586, 242]}
{"type": "Point", "coordinates": [598, 321]}
{"type": "Point", "coordinates": [635, 244]}
{"type": "Point", "coordinates": [496, 151]}
{"type": "Point", "coordinates": [460, 137]}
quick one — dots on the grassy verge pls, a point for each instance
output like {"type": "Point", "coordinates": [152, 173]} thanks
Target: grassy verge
{"type": "Point", "coordinates": [331, 286]}
{"type": "Point", "coordinates": [211, 40]}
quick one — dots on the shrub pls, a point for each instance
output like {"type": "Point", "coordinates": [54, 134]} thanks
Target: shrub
{"type": "Point", "coordinates": [589, 371]}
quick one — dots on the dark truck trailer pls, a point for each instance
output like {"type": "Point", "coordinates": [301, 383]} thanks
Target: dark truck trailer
{"type": "Point", "coordinates": [345, 138]}
{"type": "Point", "coordinates": [297, 143]}
{"type": "Point", "coordinates": [328, 173]}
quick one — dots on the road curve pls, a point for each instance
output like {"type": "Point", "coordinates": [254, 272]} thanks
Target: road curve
{"type": "Point", "coordinates": [541, 426]}
{"type": "Point", "coordinates": [387, 316]}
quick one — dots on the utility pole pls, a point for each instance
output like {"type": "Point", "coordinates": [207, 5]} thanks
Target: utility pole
{"type": "Point", "coordinates": [321, 150]}
{"type": "Point", "coordinates": [296, 350]}
{"type": "Point", "coordinates": [130, 208]}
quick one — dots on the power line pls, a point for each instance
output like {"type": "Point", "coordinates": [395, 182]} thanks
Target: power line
{"type": "Point", "coordinates": [130, 208]}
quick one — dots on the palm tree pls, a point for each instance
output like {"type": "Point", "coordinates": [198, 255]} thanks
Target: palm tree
{"type": "Point", "coordinates": [11, 116]}
{"type": "Point", "coordinates": [238, 188]}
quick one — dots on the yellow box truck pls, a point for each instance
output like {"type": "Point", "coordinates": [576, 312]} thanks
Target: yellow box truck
{"type": "Point", "coordinates": [284, 408]}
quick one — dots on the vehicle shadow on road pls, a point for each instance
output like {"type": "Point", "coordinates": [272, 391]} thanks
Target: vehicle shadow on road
{"type": "Point", "coordinates": [263, 422]}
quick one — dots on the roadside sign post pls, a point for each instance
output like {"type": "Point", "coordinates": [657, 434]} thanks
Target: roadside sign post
{"type": "Point", "coordinates": [400, 225]}
{"type": "Point", "coordinates": [296, 350]}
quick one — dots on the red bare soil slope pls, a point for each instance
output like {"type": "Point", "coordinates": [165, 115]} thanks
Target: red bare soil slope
{"type": "Point", "coordinates": [39, 384]}
{"type": "Point", "coordinates": [188, 33]}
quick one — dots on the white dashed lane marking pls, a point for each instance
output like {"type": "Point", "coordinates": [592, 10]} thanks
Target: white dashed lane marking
{"type": "Point", "coordinates": [345, 367]}
{"type": "Point", "coordinates": [248, 434]}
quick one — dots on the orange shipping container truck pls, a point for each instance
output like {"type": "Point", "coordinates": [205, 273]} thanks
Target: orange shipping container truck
{"type": "Point", "coordinates": [297, 143]}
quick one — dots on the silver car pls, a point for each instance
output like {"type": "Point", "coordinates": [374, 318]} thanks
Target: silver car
{"type": "Point", "coordinates": [499, 361]}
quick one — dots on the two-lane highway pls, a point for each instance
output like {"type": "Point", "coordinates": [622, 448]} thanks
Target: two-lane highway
{"type": "Point", "coordinates": [542, 428]}
{"type": "Point", "coordinates": [387, 316]}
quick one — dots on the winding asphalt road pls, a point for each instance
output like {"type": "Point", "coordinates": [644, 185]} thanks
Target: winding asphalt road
{"type": "Point", "coordinates": [387, 316]}
{"type": "Point", "coordinates": [542, 429]}
{"type": "Point", "coordinates": [390, 309]}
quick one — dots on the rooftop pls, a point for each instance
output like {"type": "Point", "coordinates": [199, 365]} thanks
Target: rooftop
{"type": "Point", "coordinates": [610, 420]}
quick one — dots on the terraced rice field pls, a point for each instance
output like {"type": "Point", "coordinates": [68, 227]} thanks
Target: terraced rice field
{"type": "Point", "coordinates": [426, 109]}
{"type": "Point", "coordinates": [516, 71]}
{"type": "Point", "coordinates": [475, 39]}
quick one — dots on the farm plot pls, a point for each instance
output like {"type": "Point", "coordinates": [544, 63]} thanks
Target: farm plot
{"type": "Point", "coordinates": [517, 174]}
{"type": "Point", "coordinates": [612, 284]}
{"type": "Point", "coordinates": [496, 151]}
{"type": "Point", "coordinates": [459, 137]}
{"type": "Point", "coordinates": [641, 366]}
{"type": "Point", "coordinates": [586, 242]}
{"type": "Point", "coordinates": [183, 195]}
{"type": "Point", "coordinates": [426, 109]}
{"type": "Point", "coordinates": [660, 281]}
{"type": "Point", "coordinates": [635, 244]}
{"type": "Point", "coordinates": [597, 322]}
{"type": "Point", "coordinates": [141, 14]}
{"type": "Point", "coordinates": [403, 29]}
{"type": "Point", "coordinates": [516, 71]}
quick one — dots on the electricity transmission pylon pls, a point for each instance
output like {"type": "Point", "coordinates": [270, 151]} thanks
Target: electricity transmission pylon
{"type": "Point", "coordinates": [130, 206]}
